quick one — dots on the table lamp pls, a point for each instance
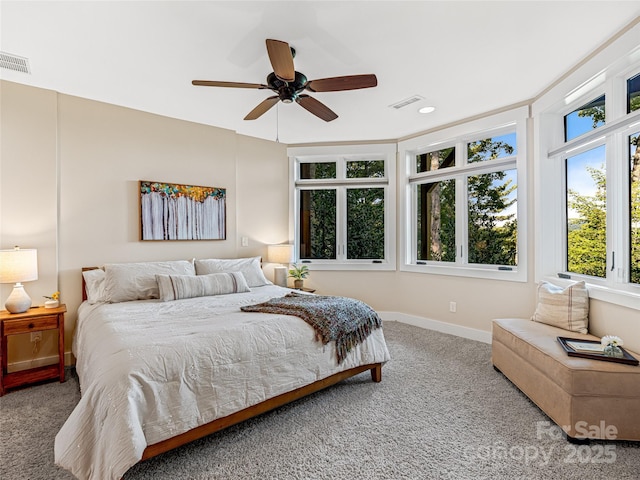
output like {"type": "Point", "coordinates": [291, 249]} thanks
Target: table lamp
{"type": "Point", "coordinates": [282, 254]}
{"type": "Point", "coordinates": [17, 266]}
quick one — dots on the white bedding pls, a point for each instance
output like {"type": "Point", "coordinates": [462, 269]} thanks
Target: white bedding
{"type": "Point", "coordinates": [150, 370]}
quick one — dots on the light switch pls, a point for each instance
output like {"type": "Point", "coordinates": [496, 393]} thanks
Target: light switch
{"type": "Point", "coordinates": [244, 241]}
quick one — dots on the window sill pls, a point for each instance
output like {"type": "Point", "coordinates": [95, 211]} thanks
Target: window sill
{"type": "Point", "coordinates": [515, 275]}
{"type": "Point", "coordinates": [324, 265]}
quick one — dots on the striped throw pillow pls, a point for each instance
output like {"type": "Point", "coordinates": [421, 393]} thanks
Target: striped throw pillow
{"type": "Point", "coordinates": [177, 287]}
{"type": "Point", "coordinates": [566, 308]}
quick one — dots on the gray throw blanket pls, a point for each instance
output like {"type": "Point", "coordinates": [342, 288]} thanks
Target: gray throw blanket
{"type": "Point", "coordinates": [346, 321]}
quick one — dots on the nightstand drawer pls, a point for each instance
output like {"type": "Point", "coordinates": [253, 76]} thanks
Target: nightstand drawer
{"type": "Point", "coordinates": [27, 325]}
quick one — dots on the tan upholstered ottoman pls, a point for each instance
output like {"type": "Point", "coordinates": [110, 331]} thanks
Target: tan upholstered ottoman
{"type": "Point", "coordinates": [576, 393]}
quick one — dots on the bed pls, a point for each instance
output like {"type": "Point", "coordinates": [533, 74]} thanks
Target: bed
{"type": "Point", "coordinates": [157, 374]}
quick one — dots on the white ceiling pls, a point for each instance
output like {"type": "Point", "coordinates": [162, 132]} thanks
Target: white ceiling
{"type": "Point", "coordinates": [464, 58]}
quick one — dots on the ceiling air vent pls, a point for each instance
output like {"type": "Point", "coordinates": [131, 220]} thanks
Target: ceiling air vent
{"type": "Point", "coordinates": [13, 62]}
{"type": "Point", "coordinates": [407, 101]}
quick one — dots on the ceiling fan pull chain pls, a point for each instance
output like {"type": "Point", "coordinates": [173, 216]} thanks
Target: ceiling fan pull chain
{"type": "Point", "coordinates": [277, 123]}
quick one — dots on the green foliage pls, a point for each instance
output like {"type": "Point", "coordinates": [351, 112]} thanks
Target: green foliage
{"type": "Point", "coordinates": [443, 216]}
{"type": "Point", "coordinates": [597, 115]}
{"type": "Point", "coordinates": [365, 169]}
{"type": "Point", "coordinates": [635, 208]}
{"type": "Point", "coordinates": [365, 214]}
{"type": "Point", "coordinates": [435, 160]}
{"type": "Point", "coordinates": [634, 103]}
{"type": "Point", "coordinates": [492, 233]}
{"type": "Point", "coordinates": [365, 223]}
{"type": "Point", "coordinates": [318, 170]}
{"type": "Point", "coordinates": [487, 149]}
{"type": "Point", "coordinates": [318, 220]}
{"type": "Point", "coordinates": [587, 234]}
{"type": "Point", "coordinates": [299, 272]}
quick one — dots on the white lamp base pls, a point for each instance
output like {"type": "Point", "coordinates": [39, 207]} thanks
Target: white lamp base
{"type": "Point", "coordinates": [18, 301]}
{"type": "Point", "coordinates": [280, 276]}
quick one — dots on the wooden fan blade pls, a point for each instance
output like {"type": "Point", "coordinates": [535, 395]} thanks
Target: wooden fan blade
{"type": "Point", "coordinates": [211, 83]}
{"type": "Point", "coordinates": [319, 109]}
{"type": "Point", "coordinates": [281, 60]}
{"type": "Point", "coordinates": [262, 107]}
{"type": "Point", "coordinates": [336, 84]}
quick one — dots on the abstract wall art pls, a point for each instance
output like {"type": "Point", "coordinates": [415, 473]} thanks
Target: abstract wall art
{"type": "Point", "coordinates": [171, 211]}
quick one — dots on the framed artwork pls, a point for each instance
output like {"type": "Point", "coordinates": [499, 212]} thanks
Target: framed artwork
{"type": "Point", "coordinates": [171, 211]}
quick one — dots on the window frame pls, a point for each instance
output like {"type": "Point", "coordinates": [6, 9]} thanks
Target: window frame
{"type": "Point", "coordinates": [550, 174]}
{"type": "Point", "coordinates": [341, 154]}
{"type": "Point", "coordinates": [514, 120]}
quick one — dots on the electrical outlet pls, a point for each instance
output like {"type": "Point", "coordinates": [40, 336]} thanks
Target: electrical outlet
{"type": "Point", "coordinates": [452, 307]}
{"type": "Point", "coordinates": [36, 337]}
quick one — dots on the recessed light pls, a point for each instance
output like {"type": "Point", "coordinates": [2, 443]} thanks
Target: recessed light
{"type": "Point", "coordinates": [428, 109]}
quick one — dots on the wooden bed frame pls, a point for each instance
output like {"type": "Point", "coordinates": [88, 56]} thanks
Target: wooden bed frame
{"type": "Point", "coordinates": [254, 410]}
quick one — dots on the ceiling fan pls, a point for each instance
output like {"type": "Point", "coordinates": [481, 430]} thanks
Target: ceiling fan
{"type": "Point", "coordinates": [289, 84]}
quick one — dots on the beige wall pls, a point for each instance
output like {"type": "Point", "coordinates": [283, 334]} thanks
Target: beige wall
{"type": "Point", "coordinates": [28, 192]}
{"type": "Point", "coordinates": [428, 296]}
{"type": "Point", "coordinates": [69, 177]}
{"type": "Point", "coordinates": [609, 319]}
{"type": "Point", "coordinates": [68, 187]}
{"type": "Point", "coordinates": [104, 151]}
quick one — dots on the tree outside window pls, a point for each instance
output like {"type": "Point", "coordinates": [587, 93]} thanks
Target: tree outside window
{"type": "Point", "coordinates": [342, 207]}
{"type": "Point", "coordinates": [490, 201]}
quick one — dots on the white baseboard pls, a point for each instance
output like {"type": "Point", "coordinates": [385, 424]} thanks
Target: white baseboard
{"type": "Point", "coordinates": [438, 326]}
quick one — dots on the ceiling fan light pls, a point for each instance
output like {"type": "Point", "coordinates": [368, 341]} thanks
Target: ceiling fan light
{"type": "Point", "coordinates": [427, 109]}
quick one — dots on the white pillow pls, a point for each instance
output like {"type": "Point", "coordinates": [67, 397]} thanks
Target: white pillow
{"type": "Point", "coordinates": [137, 281]}
{"type": "Point", "coordinates": [94, 285]}
{"type": "Point", "coordinates": [249, 267]}
{"type": "Point", "coordinates": [176, 287]}
{"type": "Point", "coordinates": [566, 308]}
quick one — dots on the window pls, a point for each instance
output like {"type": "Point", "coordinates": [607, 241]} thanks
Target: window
{"type": "Point", "coordinates": [317, 224]}
{"type": "Point", "coordinates": [586, 218]}
{"type": "Point", "coordinates": [435, 206]}
{"type": "Point", "coordinates": [344, 206]}
{"type": "Point", "coordinates": [634, 206]}
{"type": "Point", "coordinates": [585, 118]}
{"type": "Point", "coordinates": [465, 197]}
{"type": "Point", "coordinates": [633, 94]}
{"type": "Point", "coordinates": [591, 168]}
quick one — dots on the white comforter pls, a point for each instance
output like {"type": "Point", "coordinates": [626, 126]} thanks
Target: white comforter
{"type": "Point", "coordinates": [150, 370]}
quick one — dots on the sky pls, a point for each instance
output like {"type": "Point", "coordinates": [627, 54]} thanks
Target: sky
{"type": "Point", "coordinates": [578, 177]}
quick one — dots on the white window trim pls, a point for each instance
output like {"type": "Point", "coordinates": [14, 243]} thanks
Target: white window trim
{"type": "Point", "coordinates": [494, 125]}
{"type": "Point", "coordinates": [353, 152]}
{"type": "Point", "coordinates": [606, 73]}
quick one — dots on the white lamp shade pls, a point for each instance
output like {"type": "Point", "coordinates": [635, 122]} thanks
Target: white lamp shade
{"type": "Point", "coordinates": [18, 265]}
{"type": "Point", "coordinates": [282, 253]}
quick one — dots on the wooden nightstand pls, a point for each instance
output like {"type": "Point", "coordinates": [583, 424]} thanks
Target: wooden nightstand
{"type": "Point", "coordinates": [33, 320]}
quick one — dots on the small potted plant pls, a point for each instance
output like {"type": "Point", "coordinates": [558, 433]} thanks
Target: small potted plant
{"type": "Point", "coordinates": [298, 273]}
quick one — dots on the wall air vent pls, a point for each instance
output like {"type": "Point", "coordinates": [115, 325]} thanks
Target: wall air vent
{"type": "Point", "coordinates": [14, 62]}
{"type": "Point", "coordinates": [406, 101]}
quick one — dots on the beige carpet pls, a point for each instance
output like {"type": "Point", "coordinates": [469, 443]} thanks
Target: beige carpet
{"type": "Point", "coordinates": [441, 412]}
